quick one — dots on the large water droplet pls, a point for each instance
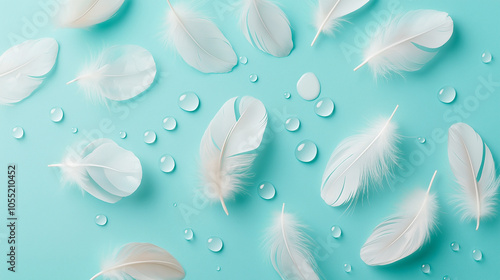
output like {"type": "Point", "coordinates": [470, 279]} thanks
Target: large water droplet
{"type": "Point", "coordinates": [287, 95]}
{"type": "Point", "coordinates": [169, 123]}
{"type": "Point", "coordinates": [74, 130]}
{"type": "Point", "coordinates": [18, 132]}
{"type": "Point", "coordinates": [149, 137]}
{"type": "Point", "coordinates": [308, 86]}
{"type": "Point", "coordinates": [446, 277]}
{"type": "Point", "coordinates": [215, 244]}
{"type": "Point", "coordinates": [243, 60]}
{"type": "Point", "coordinates": [447, 94]}
{"type": "Point", "coordinates": [101, 220]}
{"type": "Point", "coordinates": [426, 268]}
{"type": "Point", "coordinates": [306, 151]}
{"type": "Point", "coordinates": [267, 190]}
{"type": "Point", "coordinates": [347, 267]}
{"type": "Point", "coordinates": [56, 114]}
{"type": "Point", "coordinates": [188, 234]}
{"type": "Point", "coordinates": [292, 124]}
{"type": "Point", "coordinates": [123, 134]}
{"type": "Point", "coordinates": [189, 101]}
{"type": "Point", "coordinates": [421, 140]}
{"type": "Point", "coordinates": [336, 231]}
{"type": "Point", "coordinates": [324, 107]}
{"type": "Point", "coordinates": [253, 78]}
{"type": "Point", "coordinates": [477, 255]}
{"type": "Point", "coordinates": [167, 163]}
{"type": "Point", "coordinates": [455, 247]}
{"type": "Point", "coordinates": [486, 57]}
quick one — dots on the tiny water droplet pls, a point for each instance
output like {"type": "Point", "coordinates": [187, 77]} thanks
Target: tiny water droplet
{"type": "Point", "coordinates": [175, 204]}
{"type": "Point", "coordinates": [215, 244]}
{"type": "Point", "coordinates": [56, 114]}
{"type": "Point", "coordinates": [421, 140]}
{"type": "Point", "coordinates": [308, 86]}
{"type": "Point", "coordinates": [169, 123]}
{"type": "Point", "coordinates": [477, 255]}
{"type": "Point", "coordinates": [446, 277]}
{"type": "Point", "coordinates": [324, 107]}
{"type": "Point", "coordinates": [218, 268]}
{"type": "Point", "coordinates": [18, 132]}
{"type": "Point", "coordinates": [347, 267]}
{"type": "Point", "coordinates": [447, 94]}
{"type": "Point", "coordinates": [74, 130]}
{"type": "Point", "coordinates": [189, 101]}
{"type": "Point", "coordinates": [336, 231]}
{"type": "Point", "coordinates": [101, 220]}
{"type": "Point", "coordinates": [292, 124]}
{"type": "Point", "coordinates": [167, 163]}
{"type": "Point", "coordinates": [287, 95]}
{"type": "Point", "coordinates": [188, 234]}
{"type": "Point", "coordinates": [306, 151]}
{"type": "Point", "coordinates": [486, 57]}
{"type": "Point", "coordinates": [267, 190]}
{"type": "Point", "coordinates": [123, 134]}
{"type": "Point", "coordinates": [243, 60]}
{"type": "Point", "coordinates": [149, 137]}
{"type": "Point", "coordinates": [426, 268]}
{"type": "Point", "coordinates": [455, 247]}
{"type": "Point", "coordinates": [253, 78]}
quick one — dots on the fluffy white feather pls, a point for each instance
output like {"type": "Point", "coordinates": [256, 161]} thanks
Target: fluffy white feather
{"type": "Point", "coordinates": [103, 169]}
{"type": "Point", "coordinates": [142, 261]}
{"type": "Point", "coordinates": [85, 13]}
{"type": "Point", "coordinates": [199, 41]}
{"type": "Point", "coordinates": [266, 26]}
{"type": "Point", "coordinates": [329, 14]}
{"type": "Point", "coordinates": [119, 73]}
{"type": "Point", "coordinates": [408, 42]}
{"type": "Point", "coordinates": [23, 67]}
{"type": "Point", "coordinates": [404, 233]}
{"type": "Point", "coordinates": [472, 163]}
{"type": "Point", "coordinates": [229, 146]}
{"type": "Point", "coordinates": [290, 249]}
{"type": "Point", "coordinates": [359, 160]}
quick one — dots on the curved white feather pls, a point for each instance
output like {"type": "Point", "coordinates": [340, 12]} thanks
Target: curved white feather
{"type": "Point", "coordinates": [119, 73]}
{"type": "Point", "coordinates": [408, 41]}
{"type": "Point", "coordinates": [142, 261]}
{"type": "Point", "coordinates": [404, 233]}
{"type": "Point", "coordinates": [199, 41]}
{"type": "Point", "coordinates": [266, 26]}
{"type": "Point", "coordinates": [23, 67]}
{"type": "Point", "coordinates": [229, 145]}
{"type": "Point", "coordinates": [85, 13]}
{"type": "Point", "coordinates": [472, 163]}
{"type": "Point", "coordinates": [329, 13]}
{"type": "Point", "coordinates": [290, 249]}
{"type": "Point", "coordinates": [358, 160]}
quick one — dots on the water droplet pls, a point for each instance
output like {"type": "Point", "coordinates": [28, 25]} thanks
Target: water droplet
{"type": "Point", "coordinates": [486, 57]}
{"type": "Point", "coordinates": [306, 151]}
{"type": "Point", "coordinates": [243, 60]}
{"type": "Point", "coordinates": [123, 134]}
{"type": "Point", "coordinates": [218, 268]}
{"type": "Point", "coordinates": [287, 95]}
{"type": "Point", "coordinates": [175, 204]}
{"type": "Point", "coordinates": [267, 190]}
{"type": "Point", "coordinates": [455, 247]}
{"type": "Point", "coordinates": [56, 114]}
{"type": "Point", "coordinates": [447, 94]}
{"type": "Point", "coordinates": [347, 267]}
{"type": "Point", "coordinates": [18, 132]}
{"type": "Point", "coordinates": [426, 268]}
{"type": "Point", "coordinates": [74, 130]}
{"type": "Point", "coordinates": [169, 123]}
{"type": "Point", "coordinates": [477, 255]}
{"type": "Point", "coordinates": [189, 101]}
{"type": "Point", "coordinates": [421, 140]}
{"type": "Point", "coordinates": [253, 78]}
{"type": "Point", "coordinates": [308, 86]}
{"type": "Point", "coordinates": [336, 231]}
{"type": "Point", "coordinates": [215, 244]}
{"type": "Point", "coordinates": [101, 220]}
{"type": "Point", "coordinates": [149, 137]}
{"type": "Point", "coordinates": [324, 107]}
{"type": "Point", "coordinates": [167, 163]}
{"type": "Point", "coordinates": [188, 234]}
{"type": "Point", "coordinates": [292, 124]}
{"type": "Point", "coordinates": [446, 277]}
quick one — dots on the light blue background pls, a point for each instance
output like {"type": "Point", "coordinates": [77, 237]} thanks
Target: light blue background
{"type": "Point", "coordinates": [58, 238]}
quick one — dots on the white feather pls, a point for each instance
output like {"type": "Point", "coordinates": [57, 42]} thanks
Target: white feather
{"type": "Point", "coordinates": [119, 73]}
{"type": "Point", "coordinates": [266, 26]}
{"type": "Point", "coordinates": [229, 145]}
{"type": "Point", "coordinates": [103, 169]}
{"type": "Point", "coordinates": [142, 261]}
{"type": "Point", "coordinates": [85, 13]}
{"type": "Point", "coordinates": [199, 41]}
{"type": "Point", "coordinates": [408, 42]}
{"type": "Point", "coordinates": [404, 233]}
{"type": "Point", "coordinates": [290, 249]}
{"type": "Point", "coordinates": [359, 160]}
{"type": "Point", "coordinates": [23, 67]}
{"type": "Point", "coordinates": [329, 14]}
{"type": "Point", "coordinates": [472, 163]}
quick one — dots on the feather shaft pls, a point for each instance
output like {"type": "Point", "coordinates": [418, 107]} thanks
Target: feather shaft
{"type": "Point", "coordinates": [324, 22]}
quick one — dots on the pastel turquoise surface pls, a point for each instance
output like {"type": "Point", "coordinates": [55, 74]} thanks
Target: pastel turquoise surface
{"type": "Point", "coordinates": [57, 235]}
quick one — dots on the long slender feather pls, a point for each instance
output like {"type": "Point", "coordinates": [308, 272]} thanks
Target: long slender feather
{"type": "Point", "coordinates": [85, 13]}
{"type": "Point", "coordinates": [472, 163]}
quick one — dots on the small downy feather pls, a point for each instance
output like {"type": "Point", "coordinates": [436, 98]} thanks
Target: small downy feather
{"type": "Point", "coordinates": [404, 233]}
{"type": "Point", "coordinates": [119, 73]}
{"type": "Point", "coordinates": [408, 42]}
{"type": "Point", "coordinates": [103, 169]}
{"type": "Point", "coordinates": [266, 27]}
{"type": "Point", "coordinates": [85, 13]}
{"type": "Point", "coordinates": [198, 41]}
{"type": "Point", "coordinates": [142, 261]}
{"type": "Point", "coordinates": [290, 249]}
{"type": "Point", "coordinates": [473, 166]}
{"type": "Point", "coordinates": [23, 68]}
{"type": "Point", "coordinates": [359, 160]}
{"type": "Point", "coordinates": [329, 14]}
{"type": "Point", "coordinates": [229, 147]}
